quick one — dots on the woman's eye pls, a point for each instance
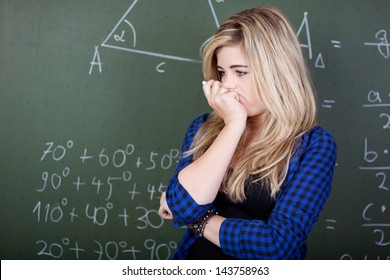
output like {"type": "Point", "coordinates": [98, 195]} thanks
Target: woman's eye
{"type": "Point", "coordinates": [221, 73]}
{"type": "Point", "coordinates": [241, 73]}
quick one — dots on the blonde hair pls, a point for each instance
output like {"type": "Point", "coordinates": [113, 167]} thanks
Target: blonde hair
{"type": "Point", "coordinates": [281, 76]}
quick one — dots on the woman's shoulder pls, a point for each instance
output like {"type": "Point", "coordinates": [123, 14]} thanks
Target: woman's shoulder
{"type": "Point", "coordinates": [318, 133]}
{"type": "Point", "coordinates": [319, 138]}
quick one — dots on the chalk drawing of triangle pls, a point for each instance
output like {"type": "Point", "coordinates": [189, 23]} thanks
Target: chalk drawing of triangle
{"type": "Point", "coordinates": [124, 37]}
{"type": "Point", "coordinates": [320, 62]}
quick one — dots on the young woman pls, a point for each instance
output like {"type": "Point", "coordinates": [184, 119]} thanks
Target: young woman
{"type": "Point", "coordinates": [256, 172]}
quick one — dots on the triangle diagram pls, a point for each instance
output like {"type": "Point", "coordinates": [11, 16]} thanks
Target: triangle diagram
{"type": "Point", "coordinates": [158, 31]}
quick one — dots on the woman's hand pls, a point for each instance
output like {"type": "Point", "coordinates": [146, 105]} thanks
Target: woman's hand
{"type": "Point", "coordinates": [164, 210]}
{"type": "Point", "coordinates": [225, 102]}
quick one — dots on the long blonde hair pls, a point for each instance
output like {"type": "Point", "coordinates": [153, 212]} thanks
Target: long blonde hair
{"type": "Point", "coordinates": [281, 76]}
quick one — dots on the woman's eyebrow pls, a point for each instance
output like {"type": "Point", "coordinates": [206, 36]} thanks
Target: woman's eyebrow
{"type": "Point", "coordinates": [238, 66]}
{"type": "Point", "coordinates": [234, 66]}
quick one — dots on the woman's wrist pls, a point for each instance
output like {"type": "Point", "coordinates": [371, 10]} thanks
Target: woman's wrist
{"type": "Point", "coordinates": [238, 125]}
{"type": "Point", "coordinates": [234, 131]}
{"type": "Point", "coordinates": [199, 226]}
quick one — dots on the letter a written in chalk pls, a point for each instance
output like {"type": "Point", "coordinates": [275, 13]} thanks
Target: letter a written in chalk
{"type": "Point", "coordinates": [96, 61]}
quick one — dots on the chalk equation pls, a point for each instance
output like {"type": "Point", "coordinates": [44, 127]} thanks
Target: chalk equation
{"type": "Point", "coordinates": [375, 215]}
{"type": "Point", "coordinates": [110, 250]}
{"type": "Point", "coordinates": [375, 99]}
{"type": "Point", "coordinates": [71, 195]}
{"type": "Point", "coordinates": [375, 210]}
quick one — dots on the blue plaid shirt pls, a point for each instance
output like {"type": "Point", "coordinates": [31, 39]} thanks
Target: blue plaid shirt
{"type": "Point", "coordinates": [297, 207]}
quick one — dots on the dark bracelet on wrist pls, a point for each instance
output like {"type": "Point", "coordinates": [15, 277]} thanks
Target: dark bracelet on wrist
{"type": "Point", "coordinates": [199, 226]}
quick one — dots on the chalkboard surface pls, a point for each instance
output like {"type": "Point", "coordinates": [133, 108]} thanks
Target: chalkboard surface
{"type": "Point", "coordinates": [95, 98]}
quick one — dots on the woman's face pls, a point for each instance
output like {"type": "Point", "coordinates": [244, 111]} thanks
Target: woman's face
{"type": "Point", "coordinates": [236, 76]}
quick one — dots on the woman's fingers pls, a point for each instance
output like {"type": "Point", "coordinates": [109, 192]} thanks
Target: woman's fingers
{"type": "Point", "coordinates": [213, 90]}
{"type": "Point", "coordinates": [164, 210]}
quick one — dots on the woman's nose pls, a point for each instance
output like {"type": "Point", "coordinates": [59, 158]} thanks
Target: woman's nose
{"type": "Point", "coordinates": [228, 82]}
{"type": "Point", "coordinates": [229, 86]}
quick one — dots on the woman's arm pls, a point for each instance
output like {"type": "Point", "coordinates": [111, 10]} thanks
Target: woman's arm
{"type": "Point", "coordinates": [203, 177]}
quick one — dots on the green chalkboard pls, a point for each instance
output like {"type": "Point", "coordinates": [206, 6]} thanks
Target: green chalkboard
{"type": "Point", "coordinates": [95, 98]}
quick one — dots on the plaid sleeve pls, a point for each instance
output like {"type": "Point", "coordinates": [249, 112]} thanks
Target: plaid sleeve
{"type": "Point", "coordinates": [298, 205]}
{"type": "Point", "coordinates": [183, 207]}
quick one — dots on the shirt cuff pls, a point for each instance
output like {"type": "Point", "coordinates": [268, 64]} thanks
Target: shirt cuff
{"type": "Point", "coordinates": [184, 208]}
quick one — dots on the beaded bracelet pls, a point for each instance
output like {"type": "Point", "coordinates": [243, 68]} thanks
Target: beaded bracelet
{"type": "Point", "coordinates": [199, 226]}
